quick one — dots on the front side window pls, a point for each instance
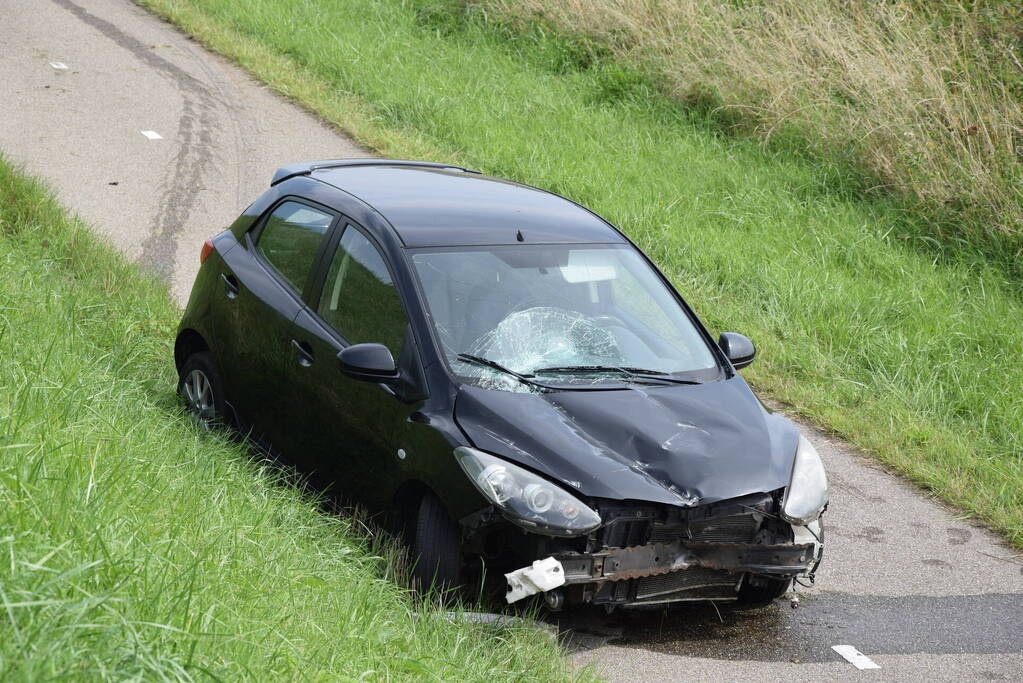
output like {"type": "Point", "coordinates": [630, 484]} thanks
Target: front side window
{"type": "Point", "coordinates": [291, 238]}
{"type": "Point", "coordinates": [359, 299]}
{"type": "Point", "coordinates": [564, 314]}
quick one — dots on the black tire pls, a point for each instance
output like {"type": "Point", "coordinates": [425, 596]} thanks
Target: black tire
{"type": "Point", "coordinates": [436, 546]}
{"type": "Point", "coordinates": [757, 591]}
{"type": "Point", "coordinates": [202, 390]}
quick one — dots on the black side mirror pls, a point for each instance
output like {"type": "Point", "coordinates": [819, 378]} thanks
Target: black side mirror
{"type": "Point", "coordinates": [369, 363]}
{"type": "Point", "coordinates": [738, 348]}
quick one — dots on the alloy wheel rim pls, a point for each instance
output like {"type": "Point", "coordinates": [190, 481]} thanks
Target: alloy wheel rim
{"type": "Point", "coordinates": [199, 397]}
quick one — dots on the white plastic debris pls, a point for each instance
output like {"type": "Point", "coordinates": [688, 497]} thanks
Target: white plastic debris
{"type": "Point", "coordinates": [151, 134]}
{"type": "Point", "coordinates": [855, 657]}
{"type": "Point", "coordinates": [541, 577]}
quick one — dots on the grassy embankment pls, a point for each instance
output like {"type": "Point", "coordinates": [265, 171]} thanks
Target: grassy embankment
{"type": "Point", "coordinates": [921, 97]}
{"type": "Point", "coordinates": [134, 545]}
{"type": "Point", "coordinates": [905, 346]}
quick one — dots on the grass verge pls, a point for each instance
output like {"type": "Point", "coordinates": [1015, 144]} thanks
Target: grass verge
{"type": "Point", "coordinates": [135, 546]}
{"type": "Point", "coordinates": [864, 326]}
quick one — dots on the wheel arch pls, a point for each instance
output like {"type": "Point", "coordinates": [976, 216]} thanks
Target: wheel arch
{"type": "Point", "coordinates": [188, 342]}
{"type": "Point", "coordinates": [406, 502]}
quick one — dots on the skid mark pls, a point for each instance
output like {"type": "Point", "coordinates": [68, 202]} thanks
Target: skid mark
{"type": "Point", "coordinates": [196, 127]}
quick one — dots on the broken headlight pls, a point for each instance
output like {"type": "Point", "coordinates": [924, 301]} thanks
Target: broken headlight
{"type": "Point", "coordinates": [807, 492]}
{"type": "Point", "coordinates": [526, 499]}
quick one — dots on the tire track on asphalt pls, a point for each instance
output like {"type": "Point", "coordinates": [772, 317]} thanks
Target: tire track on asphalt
{"type": "Point", "coordinates": [194, 158]}
{"type": "Point", "coordinates": [229, 97]}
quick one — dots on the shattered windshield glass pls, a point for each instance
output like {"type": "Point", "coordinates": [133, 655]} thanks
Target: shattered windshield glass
{"type": "Point", "coordinates": [526, 317]}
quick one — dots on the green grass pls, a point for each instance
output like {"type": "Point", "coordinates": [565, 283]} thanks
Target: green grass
{"type": "Point", "coordinates": [135, 546]}
{"type": "Point", "coordinates": [865, 326]}
{"type": "Point", "coordinates": [921, 97]}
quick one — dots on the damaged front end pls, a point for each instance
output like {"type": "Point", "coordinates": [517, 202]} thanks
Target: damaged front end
{"type": "Point", "coordinates": [649, 554]}
{"type": "Point", "coordinates": [628, 514]}
{"type": "Point", "coordinates": [732, 550]}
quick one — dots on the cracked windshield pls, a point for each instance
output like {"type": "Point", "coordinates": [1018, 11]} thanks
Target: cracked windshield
{"type": "Point", "coordinates": [531, 317]}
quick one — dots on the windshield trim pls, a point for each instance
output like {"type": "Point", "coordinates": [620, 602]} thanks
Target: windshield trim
{"type": "Point", "coordinates": [719, 371]}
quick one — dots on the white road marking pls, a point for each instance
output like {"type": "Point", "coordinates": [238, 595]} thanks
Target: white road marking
{"type": "Point", "coordinates": [58, 65]}
{"type": "Point", "coordinates": [151, 134]}
{"type": "Point", "coordinates": [855, 657]}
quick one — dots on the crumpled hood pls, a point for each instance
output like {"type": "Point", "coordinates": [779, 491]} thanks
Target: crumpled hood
{"type": "Point", "coordinates": [680, 445]}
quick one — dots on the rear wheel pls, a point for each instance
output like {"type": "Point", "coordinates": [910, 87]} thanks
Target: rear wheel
{"type": "Point", "coordinates": [201, 389]}
{"type": "Point", "coordinates": [436, 546]}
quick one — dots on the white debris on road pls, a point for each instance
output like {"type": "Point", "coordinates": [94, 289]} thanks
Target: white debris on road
{"type": "Point", "coordinates": [855, 657]}
{"type": "Point", "coordinates": [151, 134]}
{"type": "Point", "coordinates": [58, 65]}
{"type": "Point", "coordinates": [541, 577]}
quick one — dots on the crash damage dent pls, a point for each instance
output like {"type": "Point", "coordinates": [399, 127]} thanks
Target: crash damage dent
{"type": "Point", "coordinates": [645, 555]}
{"type": "Point", "coordinates": [632, 444]}
{"type": "Point", "coordinates": [679, 473]}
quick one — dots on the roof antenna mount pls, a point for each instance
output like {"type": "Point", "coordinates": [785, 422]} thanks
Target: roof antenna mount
{"type": "Point", "coordinates": [519, 237]}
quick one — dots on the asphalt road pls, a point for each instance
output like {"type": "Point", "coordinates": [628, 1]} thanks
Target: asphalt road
{"type": "Point", "coordinates": [911, 584]}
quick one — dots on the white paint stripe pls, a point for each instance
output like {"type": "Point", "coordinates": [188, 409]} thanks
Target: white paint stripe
{"type": "Point", "coordinates": [855, 657]}
{"type": "Point", "coordinates": [151, 134]}
{"type": "Point", "coordinates": [58, 65]}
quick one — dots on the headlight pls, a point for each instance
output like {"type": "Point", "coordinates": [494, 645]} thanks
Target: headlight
{"type": "Point", "coordinates": [526, 499]}
{"type": "Point", "coordinates": [807, 493]}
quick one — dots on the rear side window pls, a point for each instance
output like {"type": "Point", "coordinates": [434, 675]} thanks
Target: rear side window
{"type": "Point", "coordinates": [359, 299]}
{"type": "Point", "coordinates": [291, 238]}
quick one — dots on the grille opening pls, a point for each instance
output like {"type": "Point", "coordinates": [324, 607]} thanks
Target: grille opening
{"type": "Point", "coordinates": [623, 534]}
{"type": "Point", "coordinates": [733, 529]}
{"type": "Point", "coordinates": [695, 582]}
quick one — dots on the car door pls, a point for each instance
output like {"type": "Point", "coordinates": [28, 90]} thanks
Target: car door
{"type": "Point", "coordinates": [354, 428]}
{"type": "Point", "coordinates": [264, 285]}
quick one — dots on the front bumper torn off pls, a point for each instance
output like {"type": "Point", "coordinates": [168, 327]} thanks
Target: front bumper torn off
{"type": "Point", "coordinates": [784, 560]}
{"type": "Point", "coordinates": [618, 564]}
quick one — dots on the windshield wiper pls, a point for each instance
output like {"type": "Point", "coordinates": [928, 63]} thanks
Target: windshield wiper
{"type": "Point", "coordinates": [641, 373]}
{"type": "Point", "coordinates": [494, 365]}
{"type": "Point", "coordinates": [637, 373]}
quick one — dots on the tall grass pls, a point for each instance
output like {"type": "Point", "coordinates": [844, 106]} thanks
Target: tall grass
{"type": "Point", "coordinates": [922, 98]}
{"type": "Point", "coordinates": [136, 547]}
{"type": "Point", "coordinates": [910, 357]}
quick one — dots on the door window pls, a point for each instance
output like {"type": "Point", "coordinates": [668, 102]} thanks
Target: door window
{"type": "Point", "coordinates": [290, 240]}
{"type": "Point", "coordinates": [359, 299]}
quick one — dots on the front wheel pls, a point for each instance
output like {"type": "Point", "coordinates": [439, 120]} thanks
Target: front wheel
{"type": "Point", "coordinates": [436, 546]}
{"type": "Point", "coordinates": [201, 389]}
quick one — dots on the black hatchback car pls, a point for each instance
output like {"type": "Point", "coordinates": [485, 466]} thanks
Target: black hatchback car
{"type": "Point", "coordinates": [508, 378]}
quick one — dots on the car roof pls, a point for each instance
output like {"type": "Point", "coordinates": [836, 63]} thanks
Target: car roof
{"type": "Point", "coordinates": [432, 205]}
